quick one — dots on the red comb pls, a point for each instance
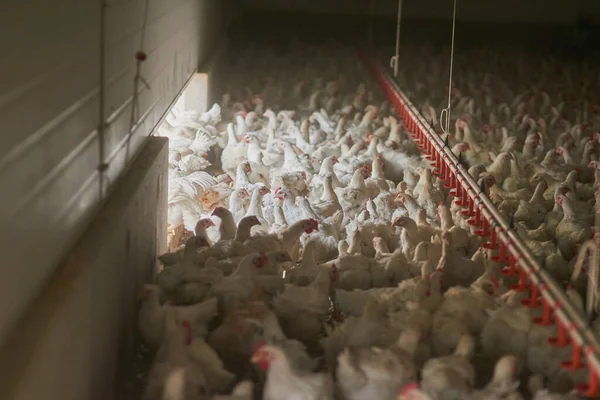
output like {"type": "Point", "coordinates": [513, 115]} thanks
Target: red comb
{"type": "Point", "coordinates": [409, 388]}
{"type": "Point", "coordinates": [259, 346]}
{"type": "Point", "coordinates": [263, 254]}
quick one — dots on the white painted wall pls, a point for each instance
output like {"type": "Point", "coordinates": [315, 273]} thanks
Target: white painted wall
{"type": "Point", "coordinates": [49, 117]}
{"type": "Point", "coordinates": [80, 334]}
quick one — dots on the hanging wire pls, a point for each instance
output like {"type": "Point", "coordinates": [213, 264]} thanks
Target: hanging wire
{"type": "Point", "coordinates": [140, 57]}
{"type": "Point", "coordinates": [394, 59]}
{"type": "Point", "coordinates": [590, 249]}
{"type": "Point", "coordinates": [371, 22]}
{"type": "Point", "coordinates": [102, 165]}
{"type": "Point", "coordinates": [445, 114]}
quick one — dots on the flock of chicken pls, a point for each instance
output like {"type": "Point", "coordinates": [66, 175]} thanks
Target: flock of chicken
{"type": "Point", "coordinates": [321, 257]}
{"type": "Point", "coordinates": [546, 130]}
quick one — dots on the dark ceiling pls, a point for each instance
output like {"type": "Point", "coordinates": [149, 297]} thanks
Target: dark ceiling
{"type": "Point", "coordinates": [561, 12]}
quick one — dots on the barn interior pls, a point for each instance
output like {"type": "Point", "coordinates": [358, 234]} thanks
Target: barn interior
{"type": "Point", "coordinates": [420, 179]}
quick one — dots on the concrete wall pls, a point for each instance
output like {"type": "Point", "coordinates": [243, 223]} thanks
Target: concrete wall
{"type": "Point", "coordinates": [50, 146]}
{"type": "Point", "coordinates": [81, 328]}
{"type": "Point", "coordinates": [527, 11]}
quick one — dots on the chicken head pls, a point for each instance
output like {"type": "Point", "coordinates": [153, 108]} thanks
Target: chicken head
{"type": "Point", "coordinates": [310, 225]}
{"type": "Point", "coordinates": [401, 221]}
{"type": "Point", "coordinates": [247, 167]}
{"type": "Point", "coordinates": [281, 193]}
{"type": "Point", "coordinates": [260, 259]}
{"type": "Point", "coordinates": [366, 171]}
{"type": "Point", "coordinates": [146, 290]}
{"type": "Point", "coordinates": [251, 220]}
{"type": "Point", "coordinates": [218, 212]}
{"type": "Point", "coordinates": [263, 355]}
{"type": "Point", "coordinates": [206, 222]}
{"type": "Point", "coordinates": [264, 190]}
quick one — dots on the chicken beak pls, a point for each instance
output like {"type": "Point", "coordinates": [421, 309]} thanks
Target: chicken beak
{"type": "Point", "coordinates": [210, 223]}
{"type": "Point", "coordinates": [255, 359]}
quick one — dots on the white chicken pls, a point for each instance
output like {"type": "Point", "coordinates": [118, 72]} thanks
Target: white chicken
{"type": "Point", "coordinates": [318, 171]}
